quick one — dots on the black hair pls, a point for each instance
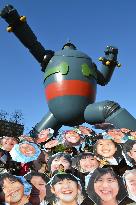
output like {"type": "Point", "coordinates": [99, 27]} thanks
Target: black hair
{"type": "Point", "coordinates": [82, 156]}
{"type": "Point", "coordinates": [117, 155]}
{"type": "Point", "coordinates": [61, 177]}
{"type": "Point", "coordinates": [122, 193]}
{"type": "Point", "coordinates": [71, 150]}
{"type": "Point", "coordinates": [10, 177]}
{"type": "Point", "coordinates": [14, 138]}
{"type": "Point", "coordinates": [85, 154]}
{"type": "Point", "coordinates": [32, 174]}
{"type": "Point", "coordinates": [127, 147]}
{"type": "Point", "coordinates": [57, 156]}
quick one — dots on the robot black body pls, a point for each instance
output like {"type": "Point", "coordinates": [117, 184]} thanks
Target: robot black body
{"type": "Point", "coordinates": [70, 80]}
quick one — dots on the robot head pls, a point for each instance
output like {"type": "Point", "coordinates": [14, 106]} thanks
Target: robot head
{"type": "Point", "coordinates": [69, 45]}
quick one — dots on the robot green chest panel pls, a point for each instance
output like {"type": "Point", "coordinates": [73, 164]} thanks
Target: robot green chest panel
{"type": "Point", "coordinates": [62, 68]}
{"type": "Point", "coordinates": [70, 65]}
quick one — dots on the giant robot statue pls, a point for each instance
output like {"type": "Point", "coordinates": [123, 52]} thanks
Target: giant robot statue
{"type": "Point", "coordinates": [70, 80]}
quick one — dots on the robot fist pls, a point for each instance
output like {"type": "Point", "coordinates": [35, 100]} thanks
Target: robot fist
{"type": "Point", "coordinates": [111, 53]}
{"type": "Point", "coordinates": [10, 14]}
{"type": "Point", "coordinates": [6, 11]}
{"type": "Point", "coordinates": [110, 58]}
{"type": "Point", "coordinates": [111, 49]}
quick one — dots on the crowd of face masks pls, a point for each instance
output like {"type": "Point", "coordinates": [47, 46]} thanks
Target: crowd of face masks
{"type": "Point", "coordinates": [78, 166]}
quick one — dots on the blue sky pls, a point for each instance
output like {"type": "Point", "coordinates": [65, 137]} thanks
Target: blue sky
{"type": "Point", "coordinates": [91, 25]}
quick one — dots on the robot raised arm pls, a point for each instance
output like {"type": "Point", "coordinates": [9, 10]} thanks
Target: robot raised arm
{"type": "Point", "coordinates": [109, 62]}
{"type": "Point", "coordinates": [19, 26]}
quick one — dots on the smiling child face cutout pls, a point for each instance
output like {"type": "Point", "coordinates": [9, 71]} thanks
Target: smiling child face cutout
{"type": "Point", "coordinates": [66, 191]}
{"type": "Point", "coordinates": [13, 190]}
{"type": "Point", "coordinates": [106, 148]}
{"type": "Point", "coordinates": [27, 149]}
{"type": "Point", "coordinates": [107, 188]}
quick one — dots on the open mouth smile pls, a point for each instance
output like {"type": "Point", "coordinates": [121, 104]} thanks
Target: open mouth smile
{"type": "Point", "coordinates": [105, 192]}
{"type": "Point", "coordinates": [67, 192]}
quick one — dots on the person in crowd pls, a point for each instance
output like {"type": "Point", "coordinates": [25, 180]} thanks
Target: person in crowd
{"type": "Point", "coordinates": [105, 187]}
{"type": "Point", "coordinates": [66, 189]}
{"type": "Point", "coordinates": [129, 152]}
{"type": "Point", "coordinates": [71, 138]}
{"type": "Point", "coordinates": [7, 143]}
{"type": "Point", "coordinates": [40, 164]}
{"type": "Point", "coordinates": [125, 130]}
{"type": "Point", "coordinates": [12, 190]}
{"type": "Point", "coordinates": [25, 152]}
{"type": "Point", "coordinates": [44, 135]}
{"type": "Point", "coordinates": [6, 162]}
{"type": "Point", "coordinates": [85, 131]}
{"type": "Point", "coordinates": [106, 149]}
{"type": "Point", "coordinates": [130, 180]}
{"type": "Point", "coordinates": [57, 159]}
{"type": "Point", "coordinates": [117, 135]}
{"type": "Point", "coordinates": [51, 145]}
{"type": "Point", "coordinates": [38, 182]}
{"type": "Point", "coordinates": [87, 162]}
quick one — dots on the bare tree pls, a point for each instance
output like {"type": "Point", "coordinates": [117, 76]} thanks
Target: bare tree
{"type": "Point", "coordinates": [3, 115]}
{"type": "Point", "coordinates": [12, 126]}
{"type": "Point", "coordinates": [16, 117]}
